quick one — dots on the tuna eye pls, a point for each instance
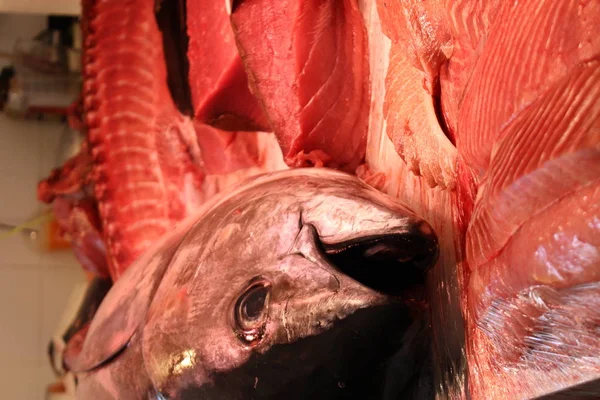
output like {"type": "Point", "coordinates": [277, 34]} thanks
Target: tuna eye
{"type": "Point", "coordinates": [251, 312]}
{"type": "Point", "coordinates": [254, 303]}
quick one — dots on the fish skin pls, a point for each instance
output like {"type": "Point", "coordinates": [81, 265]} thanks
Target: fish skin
{"type": "Point", "coordinates": [182, 341]}
{"type": "Point", "coordinates": [68, 343]}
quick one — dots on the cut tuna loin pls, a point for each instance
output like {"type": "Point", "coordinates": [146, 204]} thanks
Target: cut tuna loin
{"type": "Point", "coordinates": [421, 44]}
{"type": "Point", "coordinates": [563, 253]}
{"type": "Point", "coordinates": [529, 171]}
{"type": "Point", "coordinates": [308, 64]}
{"type": "Point", "coordinates": [144, 169]}
{"type": "Point", "coordinates": [469, 22]}
{"type": "Point", "coordinates": [413, 126]}
{"type": "Point", "coordinates": [533, 246]}
{"type": "Point", "coordinates": [531, 45]}
{"type": "Point", "coordinates": [540, 341]}
{"type": "Point", "coordinates": [217, 79]}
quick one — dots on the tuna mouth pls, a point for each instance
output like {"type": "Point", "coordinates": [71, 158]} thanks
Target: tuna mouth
{"type": "Point", "coordinates": [387, 347]}
{"type": "Point", "coordinates": [388, 263]}
{"type": "Point", "coordinates": [397, 265]}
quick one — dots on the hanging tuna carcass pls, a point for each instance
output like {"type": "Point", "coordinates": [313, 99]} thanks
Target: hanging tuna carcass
{"type": "Point", "coordinates": [482, 116]}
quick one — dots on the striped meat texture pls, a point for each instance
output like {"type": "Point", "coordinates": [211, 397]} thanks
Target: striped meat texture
{"type": "Point", "coordinates": [524, 100]}
{"type": "Point", "coordinates": [144, 166]}
{"type": "Point", "coordinates": [533, 242]}
{"type": "Point", "coordinates": [469, 24]}
{"type": "Point", "coordinates": [529, 47]}
{"type": "Point", "coordinates": [147, 165]}
{"type": "Point", "coordinates": [307, 63]}
{"type": "Point", "coordinates": [519, 91]}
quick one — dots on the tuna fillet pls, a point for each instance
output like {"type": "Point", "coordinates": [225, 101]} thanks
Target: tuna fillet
{"type": "Point", "coordinates": [530, 46]}
{"type": "Point", "coordinates": [519, 94]}
{"type": "Point", "coordinates": [217, 80]}
{"type": "Point", "coordinates": [533, 244]}
{"type": "Point", "coordinates": [307, 63]}
{"type": "Point", "coordinates": [421, 44]}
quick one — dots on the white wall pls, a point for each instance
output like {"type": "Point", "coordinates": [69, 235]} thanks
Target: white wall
{"type": "Point", "coordinates": [34, 287]}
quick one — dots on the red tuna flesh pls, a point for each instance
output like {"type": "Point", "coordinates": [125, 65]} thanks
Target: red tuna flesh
{"type": "Point", "coordinates": [469, 23]}
{"type": "Point", "coordinates": [146, 161]}
{"type": "Point", "coordinates": [308, 64]}
{"type": "Point", "coordinates": [224, 152]}
{"type": "Point", "coordinates": [535, 225]}
{"type": "Point", "coordinates": [530, 46]}
{"type": "Point", "coordinates": [145, 168]}
{"type": "Point", "coordinates": [519, 93]}
{"type": "Point", "coordinates": [223, 104]}
{"type": "Point", "coordinates": [421, 44]}
{"type": "Point", "coordinates": [218, 82]}
{"type": "Point", "coordinates": [529, 171]}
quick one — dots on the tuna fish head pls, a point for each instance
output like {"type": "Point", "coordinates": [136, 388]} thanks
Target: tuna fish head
{"type": "Point", "coordinates": [300, 283]}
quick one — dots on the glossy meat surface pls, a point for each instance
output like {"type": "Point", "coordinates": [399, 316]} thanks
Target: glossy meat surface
{"type": "Point", "coordinates": [217, 80]}
{"type": "Point", "coordinates": [420, 45]}
{"type": "Point", "coordinates": [530, 46]}
{"type": "Point", "coordinates": [144, 152]}
{"type": "Point", "coordinates": [144, 165]}
{"type": "Point", "coordinates": [307, 63]}
{"type": "Point", "coordinates": [519, 96]}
